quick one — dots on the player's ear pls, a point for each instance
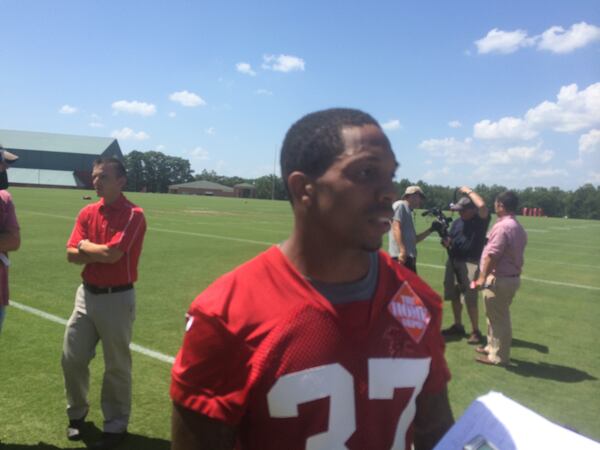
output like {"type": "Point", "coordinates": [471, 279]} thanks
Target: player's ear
{"type": "Point", "coordinates": [301, 188]}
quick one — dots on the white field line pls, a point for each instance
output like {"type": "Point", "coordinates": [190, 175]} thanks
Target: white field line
{"type": "Point", "coordinates": [162, 230]}
{"type": "Point", "coordinates": [52, 318]}
{"type": "Point", "coordinates": [535, 280]}
{"type": "Point", "coordinates": [250, 241]}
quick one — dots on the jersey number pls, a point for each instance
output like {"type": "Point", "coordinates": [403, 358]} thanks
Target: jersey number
{"type": "Point", "coordinates": [335, 382]}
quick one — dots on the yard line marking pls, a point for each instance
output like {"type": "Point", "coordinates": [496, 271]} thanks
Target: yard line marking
{"type": "Point", "coordinates": [536, 280]}
{"type": "Point", "coordinates": [52, 318]}
{"type": "Point", "coordinates": [587, 266]}
{"type": "Point", "coordinates": [213, 236]}
{"type": "Point", "coordinates": [185, 233]}
{"type": "Point", "coordinates": [250, 241]}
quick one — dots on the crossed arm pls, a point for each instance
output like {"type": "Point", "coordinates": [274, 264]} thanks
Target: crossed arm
{"type": "Point", "coordinates": [87, 252]}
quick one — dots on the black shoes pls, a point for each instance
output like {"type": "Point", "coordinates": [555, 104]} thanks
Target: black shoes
{"type": "Point", "coordinates": [454, 330]}
{"type": "Point", "coordinates": [74, 429]}
{"type": "Point", "coordinates": [109, 441]}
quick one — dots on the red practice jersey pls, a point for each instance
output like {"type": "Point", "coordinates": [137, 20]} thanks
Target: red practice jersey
{"type": "Point", "coordinates": [265, 351]}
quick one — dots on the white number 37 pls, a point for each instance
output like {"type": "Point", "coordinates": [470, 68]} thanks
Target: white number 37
{"type": "Point", "coordinates": [335, 382]}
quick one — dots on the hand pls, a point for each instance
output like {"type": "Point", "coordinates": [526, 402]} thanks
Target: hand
{"type": "Point", "coordinates": [446, 242]}
{"type": "Point", "coordinates": [435, 226]}
{"type": "Point", "coordinates": [402, 258]}
{"type": "Point", "coordinates": [478, 283]}
{"type": "Point", "coordinates": [465, 190]}
{"type": "Point", "coordinates": [81, 243]}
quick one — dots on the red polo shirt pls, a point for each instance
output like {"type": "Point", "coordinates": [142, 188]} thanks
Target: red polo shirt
{"type": "Point", "coordinates": [121, 225]}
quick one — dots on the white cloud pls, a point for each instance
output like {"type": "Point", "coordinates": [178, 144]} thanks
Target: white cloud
{"type": "Point", "coordinates": [67, 109]}
{"type": "Point", "coordinates": [283, 63]}
{"type": "Point", "coordinates": [172, 114]}
{"type": "Point", "coordinates": [574, 110]}
{"type": "Point", "coordinates": [518, 155]}
{"type": "Point", "coordinates": [134, 107]}
{"type": "Point", "coordinates": [245, 68]}
{"type": "Point", "coordinates": [454, 124]}
{"type": "Point", "coordinates": [263, 92]}
{"type": "Point", "coordinates": [436, 175]}
{"type": "Point", "coordinates": [589, 142]}
{"type": "Point", "coordinates": [199, 154]}
{"type": "Point", "coordinates": [186, 98]}
{"type": "Point", "coordinates": [452, 150]}
{"type": "Point", "coordinates": [594, 177]}
{"type": "Point", "coordinates": [128, 133]}
{"type": "Point", "coordinates": [210, 131]}
{"type": "Point", "coordinates": [393, 124]}
{"type": "Point", "coordinates": [498, 41]}
{"type": "Point", "coordinates": [555, 39]}
{"type": "Point", "coordinates": [160, 147]}
{"type": "Point", "coordinates": [96, 124]}
{"type": "Point", "coordinates": [505, 128]}
{"type": "Point", "coordinates": [558, 40]}
{"type": "Point", "coordinates": [547, 173]}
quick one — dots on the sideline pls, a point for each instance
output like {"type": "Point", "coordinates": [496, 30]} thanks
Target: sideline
{"type": "Point", "coordinates": [52, 318]}
{"type": "Point", "coordinates": [535, 280]}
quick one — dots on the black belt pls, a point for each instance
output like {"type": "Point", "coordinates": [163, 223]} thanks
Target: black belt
{"type": "Point", "coordinates": [107, 290]}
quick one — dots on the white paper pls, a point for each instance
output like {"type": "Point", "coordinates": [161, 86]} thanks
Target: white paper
{"type": "Point", "coordinates": [510, 426]}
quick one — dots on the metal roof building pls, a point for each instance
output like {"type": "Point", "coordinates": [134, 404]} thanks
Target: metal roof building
{"type": "Point", "coordinates": [57, 160]}
{"type": "Point", "coordinates": [203, 187]}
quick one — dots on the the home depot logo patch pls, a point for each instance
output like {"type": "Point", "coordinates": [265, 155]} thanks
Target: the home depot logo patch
{"type": "Point", "coordinates": [408, 309]}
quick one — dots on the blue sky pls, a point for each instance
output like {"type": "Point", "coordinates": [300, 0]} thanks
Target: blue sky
{"type": "Point", "coordinates": [504, 92]}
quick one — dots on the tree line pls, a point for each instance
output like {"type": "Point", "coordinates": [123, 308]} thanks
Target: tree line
{"type": "Point", "coordinates": [154, 171]}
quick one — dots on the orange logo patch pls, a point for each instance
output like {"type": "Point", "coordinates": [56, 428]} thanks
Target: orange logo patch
{"type": "Point", "coordinates": [408, 309]}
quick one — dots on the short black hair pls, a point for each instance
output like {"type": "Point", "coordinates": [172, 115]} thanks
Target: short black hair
{"type": "Point", "coordinates": [116, 162]}
{"type": "Point", "coordinates": [509, 200]}
{"type": "Point", "coordinates": [313, 142]}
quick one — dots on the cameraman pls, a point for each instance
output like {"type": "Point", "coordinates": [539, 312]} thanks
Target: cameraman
{"type": "Point", "coordinates": [465, 244]}
{"type": "Point", "coordinates": [403, 238]}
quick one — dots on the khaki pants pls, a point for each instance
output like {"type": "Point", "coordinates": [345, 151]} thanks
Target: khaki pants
{"type": "Point", "coordinates": [498, 298]}
{"type": "Point", "coordinates": [109, 318]}
{"type": "Point", "coordinates": [457, 281]}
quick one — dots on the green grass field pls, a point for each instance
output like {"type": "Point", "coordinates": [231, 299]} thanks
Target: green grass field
{"type": "Point", "coordinates": [192, 240]}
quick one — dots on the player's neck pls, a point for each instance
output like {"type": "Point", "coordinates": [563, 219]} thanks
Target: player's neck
{"type": "Point", "coordinates": [324, 262]}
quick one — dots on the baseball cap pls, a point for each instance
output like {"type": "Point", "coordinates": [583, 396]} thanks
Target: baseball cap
{"type": "Point", "coordinates": [463, 203]}
{"type": "Point", "coordinates": [413, 190]}
{"type": "Point", "coordinates": [7, 157]}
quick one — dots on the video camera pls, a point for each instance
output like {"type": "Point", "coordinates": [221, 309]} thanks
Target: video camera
{"type": "Point", "coordinates": [440, 223]}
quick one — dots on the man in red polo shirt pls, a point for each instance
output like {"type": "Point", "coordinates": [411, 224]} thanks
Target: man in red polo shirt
{"type": "Point", "coordinates": [107, 239]}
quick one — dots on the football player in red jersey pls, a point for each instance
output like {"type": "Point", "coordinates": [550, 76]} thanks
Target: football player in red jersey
{"type": "Point", "coordinates": [321, 342]}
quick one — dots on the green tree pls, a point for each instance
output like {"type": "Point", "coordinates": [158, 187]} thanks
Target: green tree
{"type": "Point", "coordinates": [155, 172]}
{"type": "Point", "coordinates": [270, 187]}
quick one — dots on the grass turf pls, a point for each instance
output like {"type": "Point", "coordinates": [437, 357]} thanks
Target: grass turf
{"type": "Point", "coordinates": [192, 240]}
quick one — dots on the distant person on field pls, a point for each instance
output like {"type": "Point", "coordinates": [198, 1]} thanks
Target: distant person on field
{"type": "Point", "coordinates": [321, 342]}
{"type": "Point", "coordinates": [10, 237]}
{"type": "Point", "coordinates": [107, 239]}
{"type": "Point", "coordinates": [500, 272]}
{"type": "Point", "coordinates": [465, 244]}
{"type": "Point", "coordinates": [403, 238]}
